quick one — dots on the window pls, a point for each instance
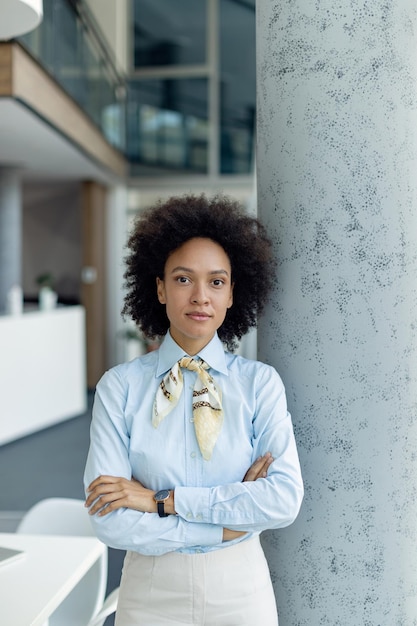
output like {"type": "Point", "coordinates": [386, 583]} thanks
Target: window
{"type": "Point", "coordinates": [167, 123]}
{"type": "Point", "coordinates": [169, 32]}
{"type": "Point", "coordinates": [237, 85]}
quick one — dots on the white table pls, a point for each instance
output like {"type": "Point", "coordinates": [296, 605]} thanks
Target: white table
{"type": "Point", "coordinates": [32, 587]}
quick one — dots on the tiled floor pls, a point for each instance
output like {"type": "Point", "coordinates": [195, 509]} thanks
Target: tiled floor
{"type": "Point", "coordinates": [49, 463]}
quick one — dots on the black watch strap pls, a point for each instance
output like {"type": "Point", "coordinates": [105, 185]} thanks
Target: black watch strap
{"type": "Point", "coordinates": [161, 509]}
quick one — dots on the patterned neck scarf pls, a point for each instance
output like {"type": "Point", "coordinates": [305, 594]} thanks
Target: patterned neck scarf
{"type": "Point", "coordinates": [207, 402]}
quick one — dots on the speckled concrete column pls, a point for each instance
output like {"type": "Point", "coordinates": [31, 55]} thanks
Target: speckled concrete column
{"type": "Point", "coordinates": [10, 232]}
{"type": "Point", "coordinates": [337, 188]}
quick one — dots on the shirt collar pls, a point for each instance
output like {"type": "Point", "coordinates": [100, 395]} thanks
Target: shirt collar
{"type": "Point", "coordinates": [170, 352]}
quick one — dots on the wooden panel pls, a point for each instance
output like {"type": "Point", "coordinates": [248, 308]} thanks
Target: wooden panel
{"type": "Point", "coordinates": [93, 295]}
{"type": "Point", "coordinates": [5, 69]}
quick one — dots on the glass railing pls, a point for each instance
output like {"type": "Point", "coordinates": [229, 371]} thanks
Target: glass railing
{"type": "Point", "coordinates": [167, 125]}
{"type": "Point", "coordinates": [160, 124]}
{"type": "Point", "coordinates": [69, 46]}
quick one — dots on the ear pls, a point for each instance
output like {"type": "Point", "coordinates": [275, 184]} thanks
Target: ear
{"type": "Point", "coordinates": [231, 296]}
{"type": "Point", "coordinates": [160, 290]}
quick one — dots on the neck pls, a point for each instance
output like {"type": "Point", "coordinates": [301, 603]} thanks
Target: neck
{"type": "Point", "coordinates": [190, 346]}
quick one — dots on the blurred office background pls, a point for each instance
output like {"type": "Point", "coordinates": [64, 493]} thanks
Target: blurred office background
{"type": "Point", "coordinates": [104, 107]}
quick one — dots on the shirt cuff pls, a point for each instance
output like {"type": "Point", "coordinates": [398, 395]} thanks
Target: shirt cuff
{"type": "Point", "coordinates": [203, 535]}
{"type": "Point", "coordinates": [193, 504]}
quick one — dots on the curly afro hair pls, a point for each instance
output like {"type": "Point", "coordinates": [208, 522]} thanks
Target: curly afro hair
{"type": "Point", "coordinates": [163, 228]}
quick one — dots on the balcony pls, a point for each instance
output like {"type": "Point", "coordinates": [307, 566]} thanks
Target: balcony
{"type": "Point", "coordinates": [161, 120]}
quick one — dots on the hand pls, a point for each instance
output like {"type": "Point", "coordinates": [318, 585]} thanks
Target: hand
{"type": "Point", "coordinates": [259, 468]}
{"type": "Point", "coordinates": [228, 534]}
{"type": "Point", "coordinates": [109, 493]}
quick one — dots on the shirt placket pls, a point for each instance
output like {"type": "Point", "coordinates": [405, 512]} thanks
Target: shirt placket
{"type": "Point", "coordinates": [193, 457]}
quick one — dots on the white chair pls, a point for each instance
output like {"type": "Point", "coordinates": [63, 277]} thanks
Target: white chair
{"type": "Point", "coordinates": [84, 605]}
{"type": "Point", "coordinates": [109, 607]}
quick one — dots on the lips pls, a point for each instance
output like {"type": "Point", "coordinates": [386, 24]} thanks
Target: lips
{"type": "Point", "coordinates": [198, 316]}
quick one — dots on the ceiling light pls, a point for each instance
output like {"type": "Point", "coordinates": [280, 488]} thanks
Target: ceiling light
{"type": "Point", "coordinates": [18, 17]}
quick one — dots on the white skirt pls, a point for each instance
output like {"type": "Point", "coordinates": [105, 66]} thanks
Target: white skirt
{"type": "Point", "coordinates": [228, 587]}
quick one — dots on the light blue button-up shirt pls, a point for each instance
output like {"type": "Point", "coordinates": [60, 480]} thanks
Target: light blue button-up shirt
{"type": "Point", "coordinates": [209, 495]}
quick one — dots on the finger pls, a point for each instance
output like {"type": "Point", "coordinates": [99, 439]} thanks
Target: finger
{"type": "Point", "coordinates": [102, 489]}
{"type": "Point", "coordinates": [98, 492]}
{"type": "Point", "coordinates": [99, 502]}
{"type": "Point", "coordinates": [106, 508]}
{"type": "Point", "coordinates": [101, 480]}
{"type": "Point", "coordinates": [105, 501]}
{"type": "Point", "coordinates": [113, 506]}
{"type": "Point", "coordinates": [259, 468]}
{"type": "Point", "coordinates": [123, 497]}
{"type": "Point", "coordinates": [253, 470]}
{"type": "Point", "coordinates": [258, 465]}
{"type": "Point", "coordinates": [267, 460]}
{"type": "Point", "coordinates": [263, 471]}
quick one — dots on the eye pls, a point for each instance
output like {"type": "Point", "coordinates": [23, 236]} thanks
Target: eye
{"type": "Point", "coordinates": [183, 280]}
{"type": "Point", "coordinates": [218, 282]}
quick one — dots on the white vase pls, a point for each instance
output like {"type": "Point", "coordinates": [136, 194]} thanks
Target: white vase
{"type": "Point", "coordinates": [47, 299]}
{"type": "Point", "coordinates": [14, 301]}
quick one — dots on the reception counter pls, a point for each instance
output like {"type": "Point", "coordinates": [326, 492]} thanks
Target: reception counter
{"type": "Point", "coordinates": [42, 369]}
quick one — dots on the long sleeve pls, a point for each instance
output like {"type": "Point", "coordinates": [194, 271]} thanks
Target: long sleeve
{"type": "Point", "coordinates": [109, 454]}
{"type": "Point", "coordinates": [209, 495]}
{"type": "Point", "coordinates": [271, 502]}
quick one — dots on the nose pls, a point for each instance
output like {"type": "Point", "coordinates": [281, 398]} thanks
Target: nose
{"type": "Point", "coordinates": [199, 294]}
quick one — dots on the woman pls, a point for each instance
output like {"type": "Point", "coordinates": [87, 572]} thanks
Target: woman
{"type": "Point", "coordinates": [191, 458]}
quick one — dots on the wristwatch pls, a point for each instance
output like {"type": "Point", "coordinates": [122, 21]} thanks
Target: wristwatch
{"type": "Point", "coordinates": [160, 497]}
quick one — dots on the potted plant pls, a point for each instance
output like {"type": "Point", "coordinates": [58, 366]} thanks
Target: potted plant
{"type": "Point", "coordinates": [136, 343]}
{"type": "Point", "coordinates": [47, 296]}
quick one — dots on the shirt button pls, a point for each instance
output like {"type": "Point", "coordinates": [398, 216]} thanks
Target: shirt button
{"type": "Point", "coordinates": [199, 551]}
{"type": "Point", "coordinates": [189, 516]}
{"type": "Point", "coordinates": [193, 455]}
{"type": "Point", "coordinates": [191, 419]}
{"type": "Point", "coordinates": [199, 516]}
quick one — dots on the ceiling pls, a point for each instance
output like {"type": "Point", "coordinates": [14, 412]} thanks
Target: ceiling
{"type": "Point", "coordinates": [30, 143]}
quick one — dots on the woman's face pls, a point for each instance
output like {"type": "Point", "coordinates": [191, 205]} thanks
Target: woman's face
{"type": "Point", "coordinates": [197, 290]}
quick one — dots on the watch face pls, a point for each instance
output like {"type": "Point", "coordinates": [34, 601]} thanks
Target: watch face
{"type": "Point", "coordinates": [163, 494]}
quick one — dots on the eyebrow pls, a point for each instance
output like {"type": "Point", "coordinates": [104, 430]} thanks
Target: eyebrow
{"type": "Point", "coordinates": [181, 268]}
